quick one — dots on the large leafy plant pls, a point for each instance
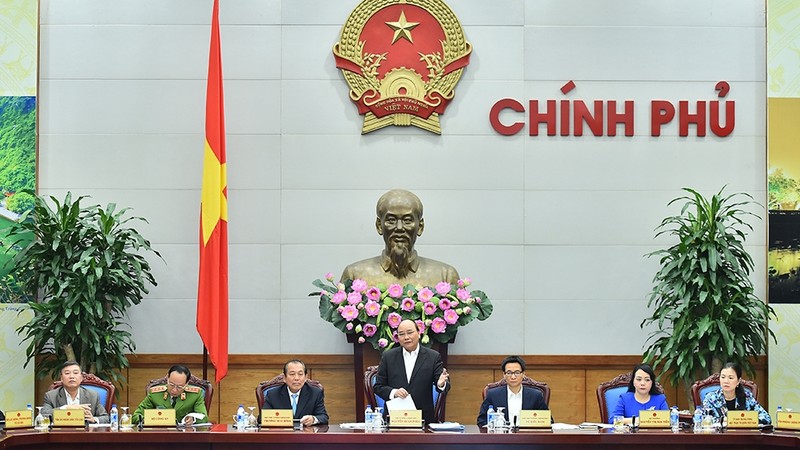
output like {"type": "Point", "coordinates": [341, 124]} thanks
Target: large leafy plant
{"type": "Point", "coordinates": [703, 301]}
{"type": "Point", "coordinates": [87, 267]}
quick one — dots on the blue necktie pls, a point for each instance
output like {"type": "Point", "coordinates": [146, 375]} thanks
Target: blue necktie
{"type": "Point", "coordinates": [294, 404]}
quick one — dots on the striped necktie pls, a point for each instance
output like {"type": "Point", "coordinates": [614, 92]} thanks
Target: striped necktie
{"type": "Point", "coordinates": [294, 404]}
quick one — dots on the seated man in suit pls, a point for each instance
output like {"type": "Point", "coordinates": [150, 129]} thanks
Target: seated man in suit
{"type": "Point", "coordinates": [177, 394]}
{"type": "Point", "coordinates": [412, 369]}
{"type": "Point", "coordinates": [306, 402]}
{"type": "Point", "coordinates": [71, 395]}
{"type": "Point", "coordinates": [513, 397]}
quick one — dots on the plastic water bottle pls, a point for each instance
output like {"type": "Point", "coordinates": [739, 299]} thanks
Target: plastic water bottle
{"type": "Point", "coordinates": [780, 408]}
{"type": "Point", "coordinates": [113, 418]}
{"type": "Point", "coordinates": [241, 418]}
{"type": "Point", "coordinates": [33, 419]}
{"type": "Point", "coordinates": [697, 420]}
{"type": "Point", "coordinates": [369, 419]}
{"type": "Point", "coordinates": [490, 419]}
{"type": "Point", "coordinates": [674, 421]}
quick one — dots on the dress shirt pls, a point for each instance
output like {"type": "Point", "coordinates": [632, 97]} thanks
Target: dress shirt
{"type": "Point", "coordinates": [70, 400]}
{"type": "Point", "coordinates": [410, 358]}
{"type": "Point", "coordinates": [514, 405]}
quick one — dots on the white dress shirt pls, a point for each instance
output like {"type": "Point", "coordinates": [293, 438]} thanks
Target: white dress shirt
{"type": "Point", "coordinates": [514, 405]}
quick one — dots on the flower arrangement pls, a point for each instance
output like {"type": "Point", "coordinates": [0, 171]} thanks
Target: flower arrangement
{"type": "Point", "coordinates": [373, 313]}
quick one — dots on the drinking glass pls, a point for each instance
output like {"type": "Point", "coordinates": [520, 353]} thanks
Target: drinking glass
{"type": "Point", "coordinates": [252, 420]}
{"type": "Point", "coordinates": [379, 423]}
{"type": "Point", "coordinates": [125, 419]}
{"type": "Point", "coordinates": [500, 421]}
{"type": "Point", "coordinates": [38, 422]}
{"type": "Point", "coordinates": [619, 423]}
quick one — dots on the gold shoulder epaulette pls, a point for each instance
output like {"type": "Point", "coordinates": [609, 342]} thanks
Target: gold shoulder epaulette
{"type": "Point", "coordinates": [160, 388]}
{"type": "Point", "coordinates": [194, 389]}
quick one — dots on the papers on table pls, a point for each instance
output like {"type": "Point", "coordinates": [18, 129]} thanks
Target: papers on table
{"type": "Point", "coordinates": [352, 426]}
{"type": "Point", "coordinates": [446, 426]}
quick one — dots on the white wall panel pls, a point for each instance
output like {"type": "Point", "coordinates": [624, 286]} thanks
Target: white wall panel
{"type": "Point", "coordinates": [553, 229]}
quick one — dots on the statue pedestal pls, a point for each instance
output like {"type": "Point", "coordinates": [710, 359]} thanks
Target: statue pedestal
{"type": "Point", "coordinates": [364, 355]}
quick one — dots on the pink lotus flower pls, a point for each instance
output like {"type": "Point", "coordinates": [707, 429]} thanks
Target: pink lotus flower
{"type": "Point", "coordinates": [420, 326]}
{"type": "Point", "coordinates": [359, 285]}
{"type": "Point", "coordinates": [373, 293]}
{"type": "Point", "coordinates": [442, 288]}
{"type": "Point", "coordinates": [349, 312]}
{"type": "Point", "coordinates": [361, 340]}
{"type": "Point", "coordinates": [407, 304]}
{"type": "Point", "coordinates": [425, 295]}
{"type": "Point", "coordinates": [450, 316]}
{"type": "Point", "coordinates": [354, 297]}
{"type": "Point", "coordinates": [329, 276]}
{"type": "Point", "coordinates": [370, 330]}
{"type": "Point", "coordinates": [438, 325]}
{"type": "Point", "coordinates": [382, 342]}
{"type": "Point", "coordinates": [394, 320]}
{"type": "Point", "coordinates": [395, 290]}
{"type": "Point", "coordinates": [444, 304]}
{"type": "Point", "coordinates": [349, 326]}
{"type": "Point", "coordinates": [467, 310]}
{"type": "Point", "coordinates": [462, 294]}
{"type": "Point", "coordinates": [372, 308]}
{"type": "Point", "coordinates": [339, 297]}
{"type": "Point", "coordinates": [394, 337]}
{"type": "Point", "coordinates": [429, 308]}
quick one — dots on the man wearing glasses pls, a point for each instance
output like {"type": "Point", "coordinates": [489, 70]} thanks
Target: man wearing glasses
{"type": "Point", "coordinates": [513, 397]}
{"type": "Point", "coordinates": [177, 395]}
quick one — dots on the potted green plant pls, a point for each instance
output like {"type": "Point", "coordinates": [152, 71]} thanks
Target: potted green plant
{"type": "Point", "coordinates": [703, 302]}
{"type": "Point", "coordinates": [87, 267]}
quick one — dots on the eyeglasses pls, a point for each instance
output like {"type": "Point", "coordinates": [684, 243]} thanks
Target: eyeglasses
{"type": "Point", "coordinates": [515, 373]}
{"type": "Point", "coordinates": [171, 385]}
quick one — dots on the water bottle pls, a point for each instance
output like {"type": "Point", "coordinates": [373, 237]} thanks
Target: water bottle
{"type": "Point", "coordinates": [674, 421]}
{"type": "Point", "coordinates": [490, 419]}
{"type": "Point", "coordinates": [241, 418]}
{"type": "Point", "coordinates": [780, 408]}
{"type": "Point", "coordinates": [697, 420]}
{"type": "Point", "coordinates": [33, 419]}
{"type": "Point", "coordinates": [113, 418]}
{"type": "Point", "coordinates": [369, 419]}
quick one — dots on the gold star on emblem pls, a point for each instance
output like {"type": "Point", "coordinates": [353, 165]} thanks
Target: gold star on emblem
{"type": "Point", "coordinates": [402, 28]}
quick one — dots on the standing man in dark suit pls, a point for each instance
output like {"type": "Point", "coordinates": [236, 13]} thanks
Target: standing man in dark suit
{"type": "Point", "coordinates": [306, 402]}
{"type": "Point", "coordinates": [71, 395]}
{"type": "Point", "coordinates": [513, 397]}
{"type": "Point", "coordinates": [412, 370]}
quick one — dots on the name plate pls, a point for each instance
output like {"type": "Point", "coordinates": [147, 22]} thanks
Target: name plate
{"type": "Point", "coordinates": [534, 418]}
{"type": "Point", "coordinates": [159, 418]}
{"type": "Point", "coordinates": [742, 419]}
{"type": "Point", "coordinates": [654, 418]}
{"type": "Point", "coordinates": [406, 418]}
{"type": "Point", "coordinates": [277, 418]}
{"type": "Point", "coordinates": [787, 420]}
{"type": "Point", "coordinates": [68, 418]}
{"type": "Point", "coordinates": [19, 419]}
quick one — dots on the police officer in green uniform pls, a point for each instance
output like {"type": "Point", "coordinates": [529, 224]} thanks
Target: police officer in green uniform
{"type": "Point", "coordinates": [177, 394]}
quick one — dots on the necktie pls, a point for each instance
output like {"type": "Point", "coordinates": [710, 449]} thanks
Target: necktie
{"type": "Point", "coordinates": [174, 399]}
{"type": "Point", "coordinates": [294, 404]}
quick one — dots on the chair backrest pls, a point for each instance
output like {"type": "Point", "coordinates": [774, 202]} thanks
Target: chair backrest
{"type": "Point", "coordinates": [105, 389]}
{"type": "Point", "coordinates": [608, 394]}
{"type": "Point", "coordinates": [526, 381]}
{"type": "Point", "coordinates": [206, 387]}
{"type": "Point", "coordinates": [276, 382]}
{"type": "Point", "coordinates": [371, 374]}
{"type": "Point", "coordinates": [702, 387]}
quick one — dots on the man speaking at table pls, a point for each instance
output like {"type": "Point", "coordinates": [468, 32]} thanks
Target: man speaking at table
{"type": "Point", "coordinates": [412, 370]}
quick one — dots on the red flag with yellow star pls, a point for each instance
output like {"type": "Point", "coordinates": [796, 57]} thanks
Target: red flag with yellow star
{"type": "Point", "coordinates": [212, 290]}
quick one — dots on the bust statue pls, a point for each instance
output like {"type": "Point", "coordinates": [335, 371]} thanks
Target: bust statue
{"type": "Point", "coordinates": [400, 223]}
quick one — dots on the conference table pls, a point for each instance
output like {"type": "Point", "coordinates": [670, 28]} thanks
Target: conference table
{"type": "Point", "coordinates": [334, 437]}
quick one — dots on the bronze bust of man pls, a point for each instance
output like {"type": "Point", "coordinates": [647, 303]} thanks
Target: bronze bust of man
{"type": "Point", "coordinates": [400, 223]}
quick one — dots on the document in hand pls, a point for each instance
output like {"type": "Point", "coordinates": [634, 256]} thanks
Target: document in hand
{"type": "Point", "coordinates": [400, 404]}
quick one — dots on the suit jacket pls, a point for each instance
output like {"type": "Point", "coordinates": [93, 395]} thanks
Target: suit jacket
{"type": "Point", "coordinates": [310, 403]}
{"type": "Point", "coordinates": [57, 398]}
{"type": "Point", "coordinates": [531, 399]}
{"type": "Point", "coordinates": [427, 369]}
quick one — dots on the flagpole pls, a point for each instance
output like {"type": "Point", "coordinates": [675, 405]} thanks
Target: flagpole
{"type": "Point", "coordinates": [205, 363]}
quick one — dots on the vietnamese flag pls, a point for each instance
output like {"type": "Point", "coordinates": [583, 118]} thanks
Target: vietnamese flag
{"type": "Point", "coordinates": [212, 290]}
